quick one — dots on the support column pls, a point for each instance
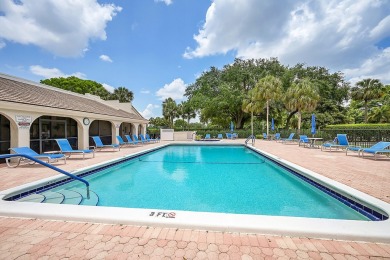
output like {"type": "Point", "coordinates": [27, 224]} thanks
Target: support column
{"type": "Point", "coordinates": [82, 136]}
{"type": "Point", "coordinates": [136, 129]}
{"type": "Point", "coordinates": [115, 131]}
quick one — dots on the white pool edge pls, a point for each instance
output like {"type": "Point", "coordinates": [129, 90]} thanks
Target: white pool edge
{"type": "Point", "coordinates": [370, 231]}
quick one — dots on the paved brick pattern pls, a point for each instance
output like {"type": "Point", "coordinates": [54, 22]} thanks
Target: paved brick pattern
{"type": "Point", "coordinates": [46, 239]}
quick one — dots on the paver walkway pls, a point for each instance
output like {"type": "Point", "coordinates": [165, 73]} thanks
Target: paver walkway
{"type": "Point", "coordinates": [48, 239]}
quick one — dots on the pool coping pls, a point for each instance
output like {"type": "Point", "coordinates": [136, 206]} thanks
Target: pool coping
{"type": "Point", "coordinates": [373, 231]}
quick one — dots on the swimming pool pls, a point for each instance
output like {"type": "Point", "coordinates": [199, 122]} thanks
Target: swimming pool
{"type": "Point", "coordinates": [226, 179]}
{"type": "Point", "coordinates": [224, 168]}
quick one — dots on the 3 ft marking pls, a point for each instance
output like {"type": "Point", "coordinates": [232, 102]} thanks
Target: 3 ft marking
{"type": "Point", "coordinates": [162, 214]}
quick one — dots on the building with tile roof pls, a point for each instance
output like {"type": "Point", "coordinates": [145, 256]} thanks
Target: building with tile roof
{"type": "Point", "coordinates": [34, 115]}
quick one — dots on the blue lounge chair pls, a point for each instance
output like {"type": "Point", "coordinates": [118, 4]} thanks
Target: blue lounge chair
{"type": "Point", "coordinates": [129, 140]}
{"type": "Point", "coordinates": [207, 136]}
{"type": "Point", "coordinates": [143, 139]}
{"type": "Point", "coordinates": [220, 136]}
{"type": "Point", "coordinates": [303, 140]}
{"type": "Point", "coordinates": [378, 148]}
{"type": "Point", "coordinates": [265, 137]}
{"type": "Point", "coordinates": [229, 136]}
{"type": "Point", "coordinates": [277, 137]}
{"type": "Point", "coordinates": [67, 149]}
{"type": "Point", "coordinates": [340, 142]}
{"type": "Point", "coordinates": [234, 136]}
{"type": "Point", "coordinates": [99, 144]}
{"type": "Point", "coordinates": [28, 151]}
{"type": "Point", "coordinates": [289, 139]}
{"type": "Point", "coordinates": [122, 142]}
{"type": "Point", "coordinates": [136, 140]}
{"type": "Point", "coordinates": [151, 139]}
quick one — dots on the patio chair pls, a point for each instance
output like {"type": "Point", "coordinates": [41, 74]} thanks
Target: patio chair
{"type": "Point", "coordinates": [151, 139]}
{"type": "Point", "coordinates": [129, 140]}
{"type": "Point", "coordinates": [122, 142]}
{"type": "Point", "coordinates": [136, 140]}
{"type": "Point", "coordinates": [229, 136]}
{"type": "Point", "coordinates": [289, 139]}
{"type": "Point", "coordinates": [234, 136]}
{"type": "Point", "coordinates": [340, 142]}
{"type": "Point", "coordinates": [67, 149]}
{"type": "Point", "coordinates": [207, 136]}
{"type": "Point", "coordinates": [99, 144]}
{"type": "Point", "coordinates": [303, 140]}
{"type": "Point", "coordinates": [277, 137]}
{"type": "Point", "coordinates": [143, 139]}
{"type": "Point", "coordinates": [28, 151]}
{"type": "Point", "coordinates": [378, 148]}
{"type": "Point", "coordinates": [265, 137]}
{"type": "Point", "coordinates": [220, 136]}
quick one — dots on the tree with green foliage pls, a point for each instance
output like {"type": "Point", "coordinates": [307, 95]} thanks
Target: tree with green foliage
{"type": "Point", "coordinates": [77, 85]}
{"type": "Point", "coordinates": [303, 97]}
{"type": "Point", "coordinates": [187, 111]}
{"type": "Point", "coordinates": [169, 112]}
{"type": "Point", "coordinates": [180, 123]}
{"type": "Point", "coordinates": [252, 104]}
{"type": "Point", "coordinates": [83, 86]}
{"type": "Point", "coordinates": [267, 89]}
{"type": "Point", "coordinates": [158, 122]}
{"type": "Point", "coordinates": [367, 90]}
{"type": "Point", "coordinates": [122, 94]}
{"type": "Point", "coordinates": [218, 94]}
{"type": "Point", "coordinates": [333, 90]}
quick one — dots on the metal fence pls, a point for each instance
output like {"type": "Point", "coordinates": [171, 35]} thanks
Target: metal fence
{"type": "Point", "coordinates": [358, 137]}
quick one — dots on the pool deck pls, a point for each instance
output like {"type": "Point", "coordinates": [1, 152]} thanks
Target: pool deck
{"type": "Point", "coordinates": [49, 239]}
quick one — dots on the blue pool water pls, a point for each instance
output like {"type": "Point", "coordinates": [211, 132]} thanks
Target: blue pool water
{"type": "Point", "coordinates": [229, 179]}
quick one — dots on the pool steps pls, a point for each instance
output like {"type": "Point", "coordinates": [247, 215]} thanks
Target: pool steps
{"type": "Point", "coordinates": [73, 197]}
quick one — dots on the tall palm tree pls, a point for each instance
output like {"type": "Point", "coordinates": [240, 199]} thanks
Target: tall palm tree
{"type": "Point", "coordinates": [252, 104]}
{"type": "Point", "coordinates": [188, 111]}
{"type": "Point", "coordinates": [170, 111]}
{"type": "Point", "coordinates": [303, 97]}
{"type": "Point", "coordinates": [269, 88]}
{"type": "Point", "coordinates": [123, 95]}
{"type": "Point", "coordinates": [367, 90]}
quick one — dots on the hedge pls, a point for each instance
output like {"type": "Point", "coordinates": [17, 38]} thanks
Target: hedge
{"type": "Point", "coordinates": [358, 127]}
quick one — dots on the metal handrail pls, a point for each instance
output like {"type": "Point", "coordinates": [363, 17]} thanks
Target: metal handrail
{"type": "Point", "coordinates": [251, 137]}
{"type": "Point", "coordinates": [5, 156]}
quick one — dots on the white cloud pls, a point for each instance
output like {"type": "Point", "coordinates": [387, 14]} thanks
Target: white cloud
{"type": "Point", "coordinates": [338, 34]}
{"type": "Point", "coordinates": [108, 88]}
{"type": "Point", "coordinates": [145, 91]}
{"type": "Point", "coordinates": [63, 28]}
{"type": "Point", "coordinates": [174, 90]}
{"type": "Point", "coordinates": [2, 44]}
{"type": "Point", "coordinates": [167, 2]}
{"type": "Point", "coordinates": [149, 111]}
{"type": "Point", "coordinates": [377, 67]}
{"type": "Point", "coordinates": [52, 72]}
{"type": "Point", "coordinates": [105, 58]}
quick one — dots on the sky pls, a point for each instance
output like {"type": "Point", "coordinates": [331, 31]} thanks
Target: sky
{"type": "Point", "coordinates": [156, 48]}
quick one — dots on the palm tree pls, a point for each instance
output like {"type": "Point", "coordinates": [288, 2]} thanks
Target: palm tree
{"type": "Point", "coordinates": [380, 114]}
{"type": "Point", "coordinates": [303, 97]}
{"type": "Point", "coordinates": [367, 90]}
{"type": "Point", "coordinates": [123, 95]}
{"type": "Point", "coordinates": [188, 111]}
{"type": "Point", "coordinates": [170, 111]}
{"type": "Point", "coordinates": [269, 88]}
{"type": "Point", "coordinates": [252, 104]}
